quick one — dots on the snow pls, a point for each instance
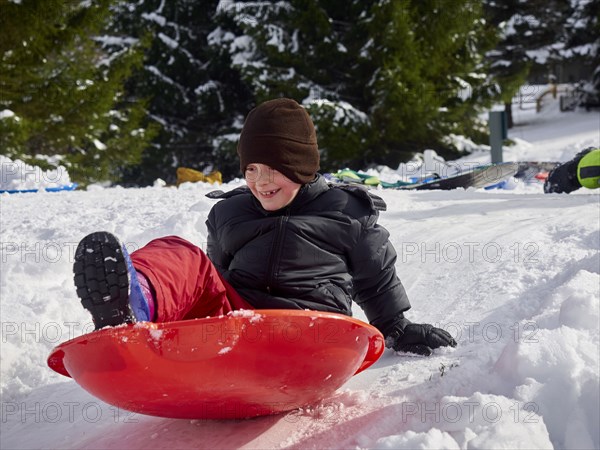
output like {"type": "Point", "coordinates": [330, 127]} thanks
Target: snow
{"type": "Point", "coordinates": [242, 48]}
{"type": "Point", "coordinates": [344, 114]}
{"type": "Point", "coordinates": [253, 316]}
{"type": "Point", "coordinates": [171, 43]}
{"type": "Point", "coordinates": [6, 114]}
{"type": "Point", "coordinates": [99, 145]}
{"type": "Point", "coordinates": [15, 175]}
{"type": "Point", "coordinates": [513, 275]}
{"type": "Point", "coordinates": [545, 136]}
{"type": "Point", "coordinates": [154, 17]}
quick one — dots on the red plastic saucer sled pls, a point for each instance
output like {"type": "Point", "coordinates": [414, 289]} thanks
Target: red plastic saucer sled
{"type": "Point", "coordinates": [245, 364]}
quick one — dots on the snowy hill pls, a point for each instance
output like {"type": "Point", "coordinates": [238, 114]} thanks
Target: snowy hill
{"type": "Point", "coordinates": [513, 275]}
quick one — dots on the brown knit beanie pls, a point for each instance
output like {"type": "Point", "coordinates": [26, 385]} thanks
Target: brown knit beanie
{"type": "Point", "coordinates": [280, 134]}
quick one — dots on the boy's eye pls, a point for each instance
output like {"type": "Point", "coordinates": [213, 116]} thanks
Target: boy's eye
{"type": "Point", "coordinates": [254, 173]}
{"type": "Point", "coordinates": [251, 173]}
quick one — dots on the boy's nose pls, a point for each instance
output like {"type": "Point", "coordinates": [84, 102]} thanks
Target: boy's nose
{"type": "Point", "coordinates": [264, 175]}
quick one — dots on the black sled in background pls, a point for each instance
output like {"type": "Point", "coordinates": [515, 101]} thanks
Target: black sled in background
{"type": "Point", "coordinates": [479, 177]}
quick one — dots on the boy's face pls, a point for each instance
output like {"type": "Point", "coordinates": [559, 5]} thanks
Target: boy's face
{"type": "Point", "coordinates": [272, 189]}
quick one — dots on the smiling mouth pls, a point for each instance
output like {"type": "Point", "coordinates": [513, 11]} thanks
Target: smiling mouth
{"type": "Point", "coordinates": [269, 193]}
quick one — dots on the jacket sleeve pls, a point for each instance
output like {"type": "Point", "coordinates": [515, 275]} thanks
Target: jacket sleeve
{"type": "Point", "coordinates": [377, 288]}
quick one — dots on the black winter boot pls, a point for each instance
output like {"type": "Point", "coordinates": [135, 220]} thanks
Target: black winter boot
{"type": "Point", "coordinates": [107, 282]}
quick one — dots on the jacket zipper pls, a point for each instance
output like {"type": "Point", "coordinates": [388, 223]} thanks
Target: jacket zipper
{"type": "Point", "coordinates": [274, 257]}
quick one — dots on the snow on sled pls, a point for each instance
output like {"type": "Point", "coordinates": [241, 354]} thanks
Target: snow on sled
{"type": "Point", "coordinates": [245, 364]}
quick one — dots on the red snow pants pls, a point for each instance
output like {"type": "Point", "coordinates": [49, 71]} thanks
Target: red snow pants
{"type": "Point", "coordinates": [186, 283]}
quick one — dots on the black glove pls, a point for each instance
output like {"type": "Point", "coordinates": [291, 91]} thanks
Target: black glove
{"type": "Point", "coordinates": [418, 338]}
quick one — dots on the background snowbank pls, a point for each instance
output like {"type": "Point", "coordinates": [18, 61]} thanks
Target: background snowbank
{"type": "Point", "coordinates": [18, 175]}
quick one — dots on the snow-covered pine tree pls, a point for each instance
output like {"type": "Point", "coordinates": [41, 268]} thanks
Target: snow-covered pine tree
{"type": "Point", "coordinates": [530, 32]}
{"type": "Point", "coordinates": [582, 45]}
{"type": "Point", "coordinates": [426, 75]}
{"type": "Point", "coordinates": [299, 49]}
{"type": "Point", "coordinates": [380, 78]}
{"type": "Point", "coordinates": [64, 94]}
{"type": "Point", "coordinates": [582, 29]}
{"type": "Point", "coordinates": [192, 91]}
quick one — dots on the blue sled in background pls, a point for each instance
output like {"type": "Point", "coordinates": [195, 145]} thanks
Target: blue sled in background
{"type": "Point", "coordinates": [64, 187]}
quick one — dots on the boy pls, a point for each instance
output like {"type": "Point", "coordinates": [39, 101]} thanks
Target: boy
{"type": "Point", "coordinates": [286, 241]}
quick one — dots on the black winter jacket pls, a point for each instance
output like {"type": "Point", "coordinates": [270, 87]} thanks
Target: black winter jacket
{"type": "Point", "coordinates": [320, 252]}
